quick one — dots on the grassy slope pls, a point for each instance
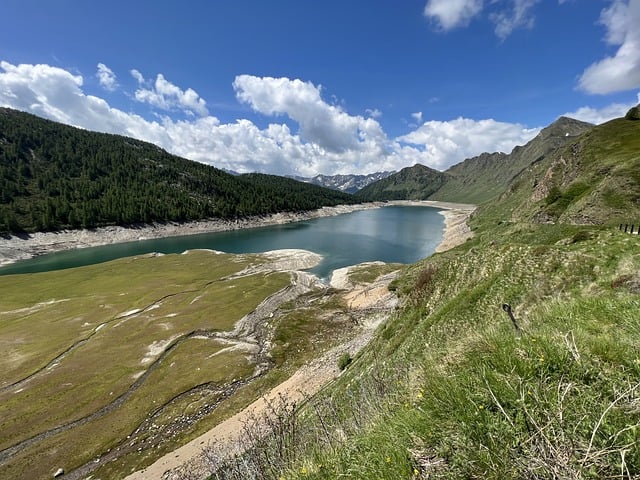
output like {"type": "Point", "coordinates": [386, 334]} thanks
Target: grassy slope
{"type": "Point", "coordinates": [449, 389]}
{"type": "Point", "coordinates": [485, 177]}
{"type": "Point", "coordinates": [594, 179]}
{"type": "Point", "coordinates": [411, 183]}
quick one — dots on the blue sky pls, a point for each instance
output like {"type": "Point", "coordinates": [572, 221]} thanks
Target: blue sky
{"type": "Point", "coordinates": [305, 87]}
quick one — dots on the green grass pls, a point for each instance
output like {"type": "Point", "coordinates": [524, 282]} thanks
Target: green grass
{"type": "Point", "coordinates": [370, 272]}
{"type": "Point", "coordinates": [449, 389]}
{"type": "Point", "coordinates": [176, 295]}
{"type": "Point", "coordinates": [182, 302]}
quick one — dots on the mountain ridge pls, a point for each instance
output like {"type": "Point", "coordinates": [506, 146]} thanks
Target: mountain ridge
{"type": "Point", "coordinates": [349, 183]}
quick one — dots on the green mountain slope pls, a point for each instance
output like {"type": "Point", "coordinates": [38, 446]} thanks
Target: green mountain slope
{"type": "Point", "coordinates": [593, 179]}
{"type": "Point", "coordinates": [485, 177]}
{"type": "Point", "coordinates": [53, 176]}
{"type": "Point", "coordinates": [452, 386]}
{"type": "Point", "coordinates": [478, 179]}
{"type": "Point", "coordinates": [411, 183]}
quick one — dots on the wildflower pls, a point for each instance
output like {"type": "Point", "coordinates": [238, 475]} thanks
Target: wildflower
{"type": "Point", "coordinates": [415, 472]}
{"type": "Point", "coordinates": [388, 459]}
{"type": "Point", "coordinates": [303, 470]}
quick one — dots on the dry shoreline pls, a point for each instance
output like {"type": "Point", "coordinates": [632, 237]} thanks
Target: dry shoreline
{"type": "Point", "coordinates": [14, 248]}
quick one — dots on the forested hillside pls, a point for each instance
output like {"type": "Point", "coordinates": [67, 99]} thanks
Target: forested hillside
{"type": "Point", "coordinates": [53, 176]}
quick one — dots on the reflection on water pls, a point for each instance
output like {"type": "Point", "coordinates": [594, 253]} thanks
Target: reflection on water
{"type": "Point", "coordinates": [389, 234]}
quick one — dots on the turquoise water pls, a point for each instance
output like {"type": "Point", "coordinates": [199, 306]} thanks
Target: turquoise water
{"type": "Point", "coordinates": [389, 234]}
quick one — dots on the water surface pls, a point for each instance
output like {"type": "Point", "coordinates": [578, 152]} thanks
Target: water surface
{"type": "Point", "coordinates": [402, 234]}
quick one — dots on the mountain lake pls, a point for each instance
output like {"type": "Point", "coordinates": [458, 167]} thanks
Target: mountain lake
{"type": "Point", "coordinates": [393, 234]}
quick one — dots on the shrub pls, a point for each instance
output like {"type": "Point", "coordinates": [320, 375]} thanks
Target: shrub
{"type": "Point", "coordinates": [425, 278]}
{"type": "Point", "coordinates": [344, 361]}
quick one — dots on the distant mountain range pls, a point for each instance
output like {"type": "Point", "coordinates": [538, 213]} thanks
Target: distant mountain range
{"type": "Point", "coordinates": [344, 183]}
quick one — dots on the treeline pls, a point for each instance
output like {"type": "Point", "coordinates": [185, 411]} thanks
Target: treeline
{"type": "Point", "coordinates": [53, 176]}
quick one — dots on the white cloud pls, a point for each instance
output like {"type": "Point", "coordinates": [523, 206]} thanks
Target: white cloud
{"type": "Point", "coordinates": [330, 141]}
{"type": "Point", "coordinates": [518, 16]}
{"type": "Point", "coordinates": [167, 96]}
{"type": "Point", "coordinates": [506, 15]}
{"type": "Point", "coordinates": [447, 143]}
{"type": "Point", "coordinates": [601, 115]}
{"type": "Point", "coordinates": [417, 117]}
{"type": "Point", "coordinates": [622, 71]}
{"type": "Point", "coordinates": [137, 75]}
{"type": "Point", "coordinates": [106, 77]}
{"type": "Point", "coordinates": [373, 113]}
{"type": "Point", "coordinates": [326, 125]}
{"type": "Point", "coordinates": [450, 14]}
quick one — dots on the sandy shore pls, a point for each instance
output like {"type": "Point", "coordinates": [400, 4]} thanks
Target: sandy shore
{"type": "Point", "coordinates": [20, 247]}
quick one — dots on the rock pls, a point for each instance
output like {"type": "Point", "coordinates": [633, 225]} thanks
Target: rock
{"type": "Point", "coordinates": [633, 114]}
{"type": "Point", "coordinates": [59, 473]}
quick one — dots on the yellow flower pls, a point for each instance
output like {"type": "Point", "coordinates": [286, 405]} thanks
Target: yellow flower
{"type": "Point", "coordinates": [303, 470]}
{"type": "Point", "coordinates": [388, 459]}
{"type": "Point", "coordinates": [415, 472]}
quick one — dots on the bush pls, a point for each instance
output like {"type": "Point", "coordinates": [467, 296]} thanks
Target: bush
{"type": "Point", "coordinates": [344, 361]}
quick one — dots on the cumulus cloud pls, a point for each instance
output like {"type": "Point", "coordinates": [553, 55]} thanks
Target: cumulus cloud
{"type": "Point", "coordinates": [621, 71]}
{"type": "Point", "coordinates": [328, 126]}
{"type": "Point", "coordinates": [167, 96]}
{"type": "Point", "coordinates": [450, 14]}
{"type": "Point", "coordinates": [604, 114]}
{"type": "Point", "coordinates": [329, 140]}
{"type": "Point", "coordinates": [106, 77]}
{"type": "Point", "coordinates": [417, 116]}
{"type": "Point", "coordinates": [446, 143]}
